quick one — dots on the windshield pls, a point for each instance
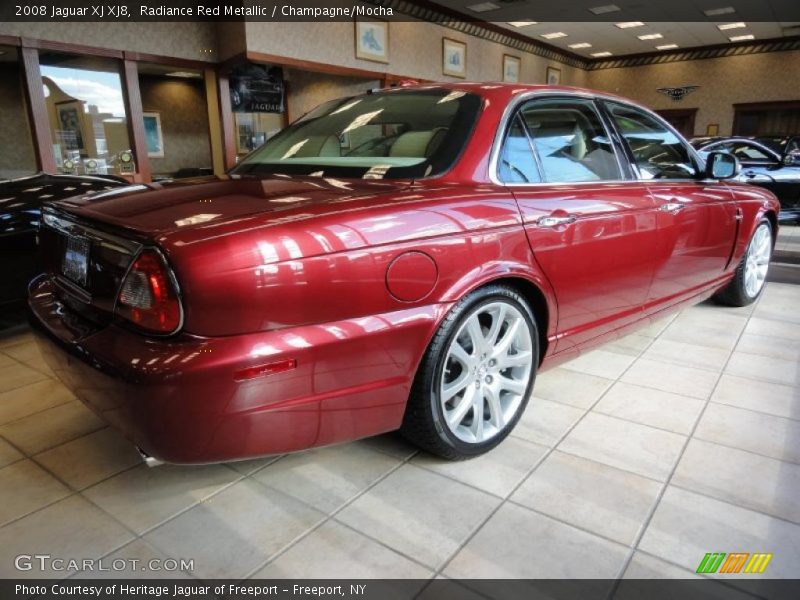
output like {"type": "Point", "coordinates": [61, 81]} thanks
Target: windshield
{"type": "Point", "coordinates": [396, 134]}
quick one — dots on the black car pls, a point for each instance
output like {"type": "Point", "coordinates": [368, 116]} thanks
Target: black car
{"type": "Point", "coordinates": [763, 165]}
{"type": "Point", "coordinates": [785, 145]}
{"type": "Point", "coordinates": [20, 209]}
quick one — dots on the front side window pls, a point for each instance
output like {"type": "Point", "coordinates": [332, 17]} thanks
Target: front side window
{"type": "Point", "coordinates": [750, 153]}
{"type": "Point", "coordinates": [396, 134]}
{"type": "Point", "coordinates": [657, 151]}
{"type": "Point", "coordinates": [570, 141]}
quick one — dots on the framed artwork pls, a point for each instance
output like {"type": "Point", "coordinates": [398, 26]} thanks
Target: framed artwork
{"type": "Point", "coordinates": [454, 58]}
{"type": "Point", "coordinates": [511, 68]}
{"type": "Point", "coordinates": [553, 76]}
{"type": "Point", "coordinates": [71, 125]}
{"type": "Point", "coordinates": [372, 40]}
{"type": "Point", "coordinates": [152, 135]}
{"type": "Point", "coordinates": [712, 129]}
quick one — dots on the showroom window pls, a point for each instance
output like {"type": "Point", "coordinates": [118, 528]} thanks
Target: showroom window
{"type": "Point", "coordinates": [258, 104]}
{"type": "Point", "coordinates": [657, 151]}
{"type": "Point", "coordinates": [175, 112]}
{"type": "Point", "coordinates": [88, 118]}
{"type": "Point", "coordinates": [17, 158]}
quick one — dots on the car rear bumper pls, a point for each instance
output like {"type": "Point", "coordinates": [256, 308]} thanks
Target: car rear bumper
{"type": "Point", "coordinates": [179, 400]}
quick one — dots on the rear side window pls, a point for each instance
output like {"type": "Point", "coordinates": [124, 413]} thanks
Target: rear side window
{"type": "Point", "coordinates": [570, 141]}
{"type": "Point", "coordinates": [558, 141]}
{"type": "Point", "coordinates": [658, 153]}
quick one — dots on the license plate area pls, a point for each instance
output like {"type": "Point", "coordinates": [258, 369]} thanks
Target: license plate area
{"type": "Point", "coordinates": [75, 265]}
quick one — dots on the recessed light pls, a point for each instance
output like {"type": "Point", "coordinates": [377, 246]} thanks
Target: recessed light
{"type": "Point", "coordinates": [521, 23]}
{"type": "Point", "coordinates": [483, 7]}
{"type": "Point", "coordinates": [726, 26]}
{"type": "Point", "coordinates": [183, 74]}
{"type": "Point", "coordinates": [742, 38]}
{"type": "Point", "coordinates": [667, 47]}
{"type": "Point", "coordinates": [554, 35]}
{"type": "Point", "coordinates": [601, 54]}
{"type": "Point", "coordinates": [650, 36]}
{"type": "Point", "coordinates": [715, 12]}
{"type": "Point", "coordinates": [581, 45]}
{"type": "Point", "coordinates": [606, 8]}
{"type": "Point", "coordinates": [629, 24]}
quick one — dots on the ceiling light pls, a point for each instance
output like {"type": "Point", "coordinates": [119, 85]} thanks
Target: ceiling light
{"type": "Point", "coordinates": [606, 8]}
{"type": "Point", "coordinates": [715, 12]}
{"type": "Point", "coordinates": [184, 74]}
{"type": "Point", "coordinates": [521, 23]}
{"type": "Point", "coordinates": [581, 45]}
{"type": "Point", "coordinates": [742, 38]}
{"type": "Point", "coordinates": [667, 47]}
{"type": "Point", "coordinates": [651, 36]}
{"type": "Point", "coordinates": [726, 26]}
{"type": "Point", "coordinates": [554, 35]}
{"type": "Point", "coordinates": [483, 7]}
{"type": "Point", "coordinates": [630, 24]}
{"type": "Point", "coordinates": [601, 54]}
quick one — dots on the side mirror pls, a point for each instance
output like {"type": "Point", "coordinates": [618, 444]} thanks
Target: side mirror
{"type": "Point", "coordinates": [789, 159]}
{"type": "Point", "coordinates": [722, 165]}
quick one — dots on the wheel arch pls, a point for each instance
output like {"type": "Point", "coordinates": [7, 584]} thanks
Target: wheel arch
{"type": "Point", "coordinates": [536, 300]}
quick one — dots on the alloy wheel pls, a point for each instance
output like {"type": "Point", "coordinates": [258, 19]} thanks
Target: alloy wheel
{"type": "Point", "coordinates": [759, 253]}
{"type": "Point", "coordinates": [486, 372]}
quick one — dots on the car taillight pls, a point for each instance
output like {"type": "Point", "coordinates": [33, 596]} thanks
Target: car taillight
{"type": "Point", "coordinates": [148, 297]}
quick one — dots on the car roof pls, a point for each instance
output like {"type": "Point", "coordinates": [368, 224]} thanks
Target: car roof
{"type": "Point", "coordinates": [506, 92]}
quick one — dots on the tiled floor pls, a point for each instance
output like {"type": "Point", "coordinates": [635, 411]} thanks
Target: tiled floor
{"type": "Point", "coordinates": [635, 460]}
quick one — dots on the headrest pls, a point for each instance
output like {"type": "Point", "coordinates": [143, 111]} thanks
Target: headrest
{"type": "Point", "coordinates": [412, 144]}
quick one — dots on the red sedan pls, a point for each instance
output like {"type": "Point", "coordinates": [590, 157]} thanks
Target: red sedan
{"type": "Point", "coordinates": [406, 259]}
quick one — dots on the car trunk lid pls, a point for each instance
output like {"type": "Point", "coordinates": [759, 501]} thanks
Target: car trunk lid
{"type": "Point", "coordinates": [155, 209]}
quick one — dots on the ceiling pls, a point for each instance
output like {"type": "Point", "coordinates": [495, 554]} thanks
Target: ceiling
{"type": "Point", "coordinates": [581, 26]}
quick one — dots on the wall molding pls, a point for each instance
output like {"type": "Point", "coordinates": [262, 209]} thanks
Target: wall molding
{"type": "Point", "coordinates": [441, 15]}
{"type": "Point", "coordinates": [700, 53]}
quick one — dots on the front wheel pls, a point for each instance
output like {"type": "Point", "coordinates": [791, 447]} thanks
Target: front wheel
{"type": "Point", "coordinates": [476, 377]}
{"type": "Point", "coordinates": [751, 274]}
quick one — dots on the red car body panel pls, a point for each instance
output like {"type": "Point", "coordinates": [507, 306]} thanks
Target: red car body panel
{"type": "Point", "coordinates": [348, 280]}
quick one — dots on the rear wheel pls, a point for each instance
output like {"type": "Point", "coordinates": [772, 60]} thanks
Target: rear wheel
{"type": "Point", "coordinates": [476, 376]}
{"type": "Point", "coordinates": [751, 274]}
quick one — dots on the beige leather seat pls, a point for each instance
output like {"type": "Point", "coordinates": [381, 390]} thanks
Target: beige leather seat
{"type": "Point", "coordinates": [320, 146]}
{"type": "Point", "coordinates": [418, 144]}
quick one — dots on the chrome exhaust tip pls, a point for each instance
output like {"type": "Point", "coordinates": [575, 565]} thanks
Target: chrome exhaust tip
{"type": "Point", "coordinates": [149, 460]}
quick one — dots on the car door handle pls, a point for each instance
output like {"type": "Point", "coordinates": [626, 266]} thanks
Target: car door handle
{"type": "Point", "coordinates": [553, 221]}
{"type": "Point", "coordinates": [672, 207]}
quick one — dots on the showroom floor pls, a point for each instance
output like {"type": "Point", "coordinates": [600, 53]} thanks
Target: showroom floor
{"type": "Point", "coordinates": [633, 460]}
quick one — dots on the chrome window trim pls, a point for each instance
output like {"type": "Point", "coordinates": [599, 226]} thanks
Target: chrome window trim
{"type": "Point", "coordinates": [512, 108]}
{"type": "Point", "coordinates": [514, 105]}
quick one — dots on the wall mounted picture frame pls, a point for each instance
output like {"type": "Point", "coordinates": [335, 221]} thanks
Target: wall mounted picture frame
{"type": "Point", "coordinates": [553, 76]}
{"type": "Point", "coordinates": [71, 127]}
{"type": "Point", "coordinates": [372, 40]}
{"type": "Point", "coordinates": [152, 134]}
{"type": "Point", "coordinates": [712, 129]}
{"type": "Point", "coordinates": [454, 58]}
{"type": "Point", "coordinates": [511, 68]}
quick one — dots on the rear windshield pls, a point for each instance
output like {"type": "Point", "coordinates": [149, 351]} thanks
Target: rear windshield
{"type": "Point", "coordinates": [398, 134]}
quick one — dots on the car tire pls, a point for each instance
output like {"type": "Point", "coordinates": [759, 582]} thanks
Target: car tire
{"type": "Point", "coordinates": [483, 358]}
{"type": "Point", "coordinates": [751, 273]}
